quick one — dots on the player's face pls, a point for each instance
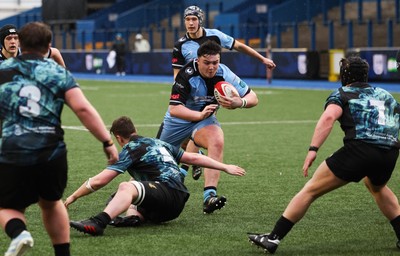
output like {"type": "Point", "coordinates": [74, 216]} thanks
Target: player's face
{"type": "Point", "coordinates": [208, 65]}
{"type": "Point", "coordinates": [192, 24]}
{"type": "Point", "coordinates": [11, 44]}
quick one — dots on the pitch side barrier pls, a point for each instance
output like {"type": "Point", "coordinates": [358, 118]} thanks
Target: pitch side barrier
{"type": "Point", "coordinates": [296, 63]}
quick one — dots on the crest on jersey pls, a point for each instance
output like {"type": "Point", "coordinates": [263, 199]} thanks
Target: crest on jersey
{"type": "Point", "coordinates": [189, 70]}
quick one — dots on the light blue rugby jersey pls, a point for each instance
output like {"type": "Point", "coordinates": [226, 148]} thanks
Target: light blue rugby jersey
{"type": "Point", "coordinates": [32, 91]}
{"type": "Point", "coordinates": [192, 91]}
{"type": "Point", "coordinates": [185, 49]}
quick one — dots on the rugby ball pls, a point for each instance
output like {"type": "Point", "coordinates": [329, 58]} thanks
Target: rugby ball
{"type": "Point", "coordinates": [225, 89]}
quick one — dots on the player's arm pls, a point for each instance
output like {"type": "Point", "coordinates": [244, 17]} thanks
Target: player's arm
{"type": "Point", "coordinates": [179, 94]}
{"type": "Point", "coordinates": [57, 57]}
{"type": "Point", "coordinates": [321, 132]}
{"type": "Point", "coordinates": [182, 112]}
{"type": "Point", "coordinates": [91, 119]}
{"type": "Point", "coordinates": [205, 161]}
{"type": "Point", "coordinates": [241, 47]}
{"type": "Point", "coordinates": [248, 101]}
{"type": "Point", "coordinates": [251, 100]}
{"type": "Point", "coordinates": [178, 61]}
{"type": "Point", "coordinates": [91, 185]}
{"type": "Point", "coordinates": [245, 97]}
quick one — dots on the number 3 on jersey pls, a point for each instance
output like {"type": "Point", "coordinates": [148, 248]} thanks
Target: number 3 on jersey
{"type": "Point", "coordinates": [33, 94]}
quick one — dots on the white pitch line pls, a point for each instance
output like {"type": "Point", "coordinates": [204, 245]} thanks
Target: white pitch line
{"type": "Point", "coordinates": [82, 128]}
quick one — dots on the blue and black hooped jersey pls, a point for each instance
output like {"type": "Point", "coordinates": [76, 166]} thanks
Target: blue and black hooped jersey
{"type": "Point", "coordinates": [194, 92]}
{"type": "Point", "coordinates": [32, 96]}
{"type": "Point", "coordinates": [370, 114]}
{"type": "Point", "coordinates": [185, 49]}
{"type": "Point", "coordinates": [149, 159]}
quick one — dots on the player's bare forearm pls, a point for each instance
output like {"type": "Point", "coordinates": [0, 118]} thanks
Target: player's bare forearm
{"type": "Point", "coordinates": [207, 162]}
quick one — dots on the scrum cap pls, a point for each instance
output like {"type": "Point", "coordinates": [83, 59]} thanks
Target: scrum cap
{"type": "Point", "coordinates": [195, 11]}
{"type": "Point", "coordinates": [5, 31]}
{"type": "Point", "coordinates": [353, 69]}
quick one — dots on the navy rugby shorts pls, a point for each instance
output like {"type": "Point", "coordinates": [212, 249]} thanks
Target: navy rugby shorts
{"type": "Point", "coordinates": [158, 202]}
{"type": "Point", "coordinates": [21, 186]}
{"type": "Point", "coordinates": [358, 159]}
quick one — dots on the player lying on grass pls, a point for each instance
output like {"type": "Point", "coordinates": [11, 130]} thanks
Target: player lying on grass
{"type": "Point", "coordinates": [157, 188]}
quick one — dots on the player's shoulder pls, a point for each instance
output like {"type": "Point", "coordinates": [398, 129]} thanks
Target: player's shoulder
{"type": "Point", "coordinates": [182, 40]}
{"type": "Point", "coordinates": [213, 32]}
{"type": "Point", "coordinates": [223, 68]}
{"type": "Point", "coordinates": [188, 71]}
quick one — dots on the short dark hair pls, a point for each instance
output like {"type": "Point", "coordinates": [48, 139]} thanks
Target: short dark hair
{"type": "Point", "coordinates": [123, 126]}
{"type": "Point", "coordinates": [35, 37]}
{"type": "Point", "coordinates": [209, 47]}
{"type": "Point", "coordinates": [353, 69]}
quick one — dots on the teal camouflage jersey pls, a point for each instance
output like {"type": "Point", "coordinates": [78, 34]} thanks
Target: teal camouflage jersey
{"type": "Point", "coordinates": [32, 91]}
{"type": "Point", "coordinates": [149, 159]}
{"type": "Point", "coordinates": [370, 114]}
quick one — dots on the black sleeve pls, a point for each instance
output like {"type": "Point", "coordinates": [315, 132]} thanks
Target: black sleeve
{"type": "Point", "coordinates": [180, 90]}
{"type": "Point", "coordinates": [178, 61]}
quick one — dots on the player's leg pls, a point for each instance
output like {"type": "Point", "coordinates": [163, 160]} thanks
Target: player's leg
{"type": "Point", "coordinates": [384, 198]}
{"type": "Point", "coordinates": [322, 182]}
{"type": "Point", "coordinates": [196, 170]}
{"type": "Point", "coordinates": [15, 195]}
{"type": "Point", "coordinates": [126, 194]}
{"type": "Point", "coordinates": [56, 222]}
{"type": "Point", "coordinates": [184, 147]}
{"type": "Point", "coordinates": [51, 182]}
{"type": "Point", "coordinates": [211, 137]}
{"type": "Point", "coordinates": [189, 146]}
{"type": "Point", "coordinates": [131, 192]}
{"type": "Point", "coordinates": [388, 204]}
{"type": "Point", "coordinates": [14, 224]}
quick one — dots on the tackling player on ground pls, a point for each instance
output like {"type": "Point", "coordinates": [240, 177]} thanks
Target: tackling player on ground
{"type": "Point", "coordinates": [157, 190]}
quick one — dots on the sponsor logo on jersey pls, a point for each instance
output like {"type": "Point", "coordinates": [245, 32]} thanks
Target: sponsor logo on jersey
{"type": "Point", "coordinates": [179, 85]}
{"type": "Point", "coordinates": [174, 96]}
{"type": "Point", "coordinates": [174, 60]}
{"type": "Point", "coordinates": [189, 70]}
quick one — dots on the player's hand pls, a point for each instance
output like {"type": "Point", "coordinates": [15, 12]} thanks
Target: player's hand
{"type": "Point", "coordinates": [235, 170]}
{"type": "Point", "coordinates": [230, 103]}
{"type": "Point", "coordinates": [69, 201]}
{"type": "Point", "coordinates": [208, 111]}
{"type": "Point", "coordinates": [112, 154]}
{"type": "Point", "coordinates": [269, 63]}
{"type": "Point", "coordinates": [311, 156]}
